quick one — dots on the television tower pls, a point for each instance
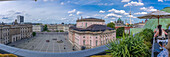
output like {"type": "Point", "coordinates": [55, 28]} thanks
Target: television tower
{"type": "Point", "coordinates": [130, 15]}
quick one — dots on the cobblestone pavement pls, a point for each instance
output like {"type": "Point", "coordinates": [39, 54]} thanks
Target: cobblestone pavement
{"type": "Point", "coordinates": [58, 42]}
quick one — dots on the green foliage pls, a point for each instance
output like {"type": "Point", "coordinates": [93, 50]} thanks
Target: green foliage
{"type": "Point", "coordinates": [130, 25]}
{"type": "Point", "coordinates": [128, 47]}
{"type": "Point", "coordinates": [61, 31]}
{"type": "Point", "coordinates": [147, 35]}
{"type": "Point", "coordinates": [167, 26]}
{"type": "Point", "coordinates": [111, 25]}
{"type": "Point", "coordinates": [120, 31]}
{"type": "Point", "coordinates": [45, 28]}
{"type": "Point", "coordinates": [48, 31]}
{"type": "Point", "coordinates": [34, 33]}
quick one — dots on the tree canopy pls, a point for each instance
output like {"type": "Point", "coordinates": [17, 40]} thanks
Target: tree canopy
{"type": "Point", "coordinates": [111, 25]}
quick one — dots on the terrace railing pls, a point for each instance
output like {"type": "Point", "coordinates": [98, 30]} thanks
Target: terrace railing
{"type": "Point", "coordinates": [29, 53]}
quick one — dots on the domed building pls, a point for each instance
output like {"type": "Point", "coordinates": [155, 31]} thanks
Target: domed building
{"type": "Point", "coordinates": [90, 33]}
{"type": "Point", "coordinates": [119, 22]}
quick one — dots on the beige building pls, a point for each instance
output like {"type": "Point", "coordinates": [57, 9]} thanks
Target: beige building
{"type": "Point", "coordinates": [12, 33]}
{"type": "Point", "coordinates": [52, 28]}
{"type": "Point", "coordinates": [4, 34]}
{"type": "Point", "coordinates": [58, 27]}
{"type": "Point", "coordinates": [37, 28]}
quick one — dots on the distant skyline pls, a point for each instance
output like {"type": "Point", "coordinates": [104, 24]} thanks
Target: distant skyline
{"type": "Point", "coordinates": [67, 11]}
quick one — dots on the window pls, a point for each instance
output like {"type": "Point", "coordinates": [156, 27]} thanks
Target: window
{"type": "Point", "coordinates": [106, 40]}
{"type": "Point", "coordinates": [96, 37]}
{"type": "Point", "coordinates": [86, 24]}
{"type": "Point", "coordinates": [83, 36]}
{"type": "Point", "coordinates": [96, 42]}
{"type": "Point", "coordinates": [84, 42]}
{"type": "Point", "coordinates": [101, 42]}
{"type": "Point", "coordinates": [90, 42]}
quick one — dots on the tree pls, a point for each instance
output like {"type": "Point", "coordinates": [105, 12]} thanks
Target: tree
{"type": "Point", "coordinates": [34, 33]}
{"type": "Point", "coordinates": [111, 25]}
{"type": "Point", "coordinates": [45, 28]}
{"type": "Point", "coordinates": [120, 31]}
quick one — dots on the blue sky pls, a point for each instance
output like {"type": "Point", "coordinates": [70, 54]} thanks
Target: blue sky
{"type": "Point", "coordinates": [67, 11]}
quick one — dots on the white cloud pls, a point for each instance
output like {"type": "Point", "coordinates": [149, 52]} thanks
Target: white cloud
{"type": "Point", "coordinates": [140, 0]}
{"type": "Point", "coordinates": [138, 13]}
{"type": "Point", "coordinates": [118, 11]}
{"type": "Point", "coordinates": [151, 8]}
{"type": "Point", "coordinates": [106, 4]}
{"type": "Point", "coordinates": [125, 0]}
{"type": "Point", "coordinates": [78, 12]}
{"type": "Point", "coordinates": [62, 3]}
{"type": "Point", "coordinates": [134, 4]}
{"type": "Point", "coordinates": [101, 11]}
{"type": "Point", "coordinates": [113, 18]}
{"type": "Point", "coordinates": [98, 15]}
{"type": "Point", "coordinates": [160, 0]}
{"type": "Point", "coordinates": [131, 16]}
{"type": "Point", "coordinates": [71, 15]}
{"type": "Point", "coordinates": [45, 0]}
{"type": "Point", "coordinates": [72, 11]}
{"type": "Point", "coordinates": [112, 15]}
{"type": "Point", "coordinates": [63, 18]}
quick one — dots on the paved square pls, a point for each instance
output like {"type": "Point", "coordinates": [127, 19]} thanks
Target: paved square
{"type": "Point", "coordinates": [58, 42]}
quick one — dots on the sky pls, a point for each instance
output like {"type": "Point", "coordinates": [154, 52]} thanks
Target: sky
{"type": "Point", "coordinates": [68, 11]}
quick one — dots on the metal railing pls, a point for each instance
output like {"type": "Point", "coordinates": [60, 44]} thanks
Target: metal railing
{"type": "Point", "coordinates": [29, 53]}
{"type": "Point", "coordinates": [153, 47]}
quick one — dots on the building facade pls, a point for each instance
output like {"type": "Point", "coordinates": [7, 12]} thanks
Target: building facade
{"type": "Point", "coordinates": [59, 27]}
{"type": "Point", "coordinates": [20, 19]}
{"type": "Point", "coordinates": [12, 33]}
{"type": "Point", "coordinates": [52, 28]}
{"type": "Point", "coordinates": [90, 33]}
{"type": "Point", "coordinates": [37, 28]}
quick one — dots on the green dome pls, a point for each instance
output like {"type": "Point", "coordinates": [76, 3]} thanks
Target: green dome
{"type": "Point", "coordinates": [119, 19]}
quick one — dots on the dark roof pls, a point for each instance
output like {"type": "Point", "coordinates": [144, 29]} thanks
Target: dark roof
{"type": "Point", "coordinates": [94, 27]}
{"type": "Point", "coordinates": [91, 19]}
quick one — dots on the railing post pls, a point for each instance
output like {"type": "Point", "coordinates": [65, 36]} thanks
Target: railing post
{"type": "Point", "coordinates": [153, 47]}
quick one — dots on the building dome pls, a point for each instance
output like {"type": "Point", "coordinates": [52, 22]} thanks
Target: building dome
{"type": "Point", "coordinates": [119, 19]}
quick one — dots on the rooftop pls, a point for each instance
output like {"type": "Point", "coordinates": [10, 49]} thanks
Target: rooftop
{"type": "Point", "coordinates": [93, 28]}
{"type": "Point", "coordinates": [91, 19]}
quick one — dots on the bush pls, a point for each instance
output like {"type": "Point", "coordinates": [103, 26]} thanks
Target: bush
{"type": "Point", "coordinates": [61, 31]}
{"type": "Point", "coordinates": [120, 31]}
{"type": "Point", "coordinates": [34, 33]}
{"type": "Point", "coordinates": [128, 47]}
{"type": "Point", "coordinates": [147, 35]}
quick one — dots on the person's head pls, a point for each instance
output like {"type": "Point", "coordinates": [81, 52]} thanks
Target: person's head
{"type": "Point", "coordinates": [160, 29]}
